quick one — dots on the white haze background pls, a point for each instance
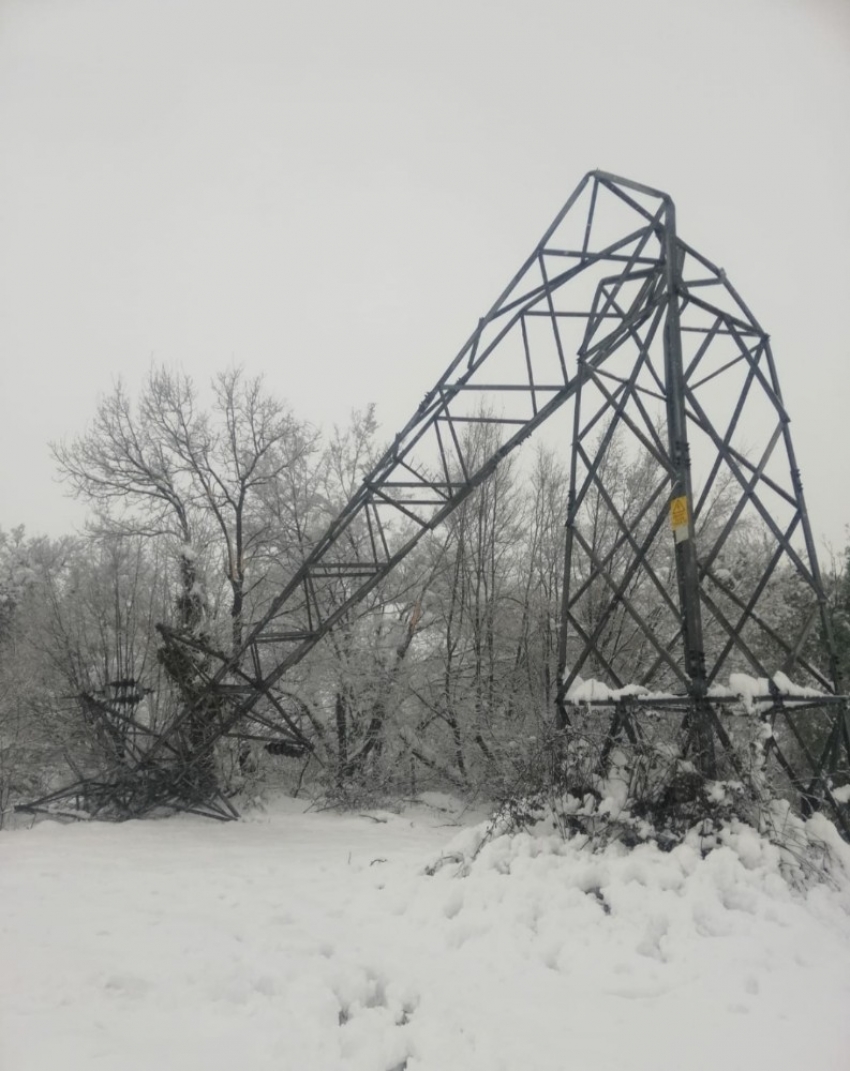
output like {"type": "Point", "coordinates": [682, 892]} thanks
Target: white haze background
{"type": "Point", "coordinates": [332, 193]}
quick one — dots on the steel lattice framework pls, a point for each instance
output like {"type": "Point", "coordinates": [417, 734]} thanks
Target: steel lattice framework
{"type": "Point", "coordinates": [662, 363]}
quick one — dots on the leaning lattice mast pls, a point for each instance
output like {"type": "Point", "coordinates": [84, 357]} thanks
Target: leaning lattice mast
{"type": "Point", "coordinates": [665, 370]}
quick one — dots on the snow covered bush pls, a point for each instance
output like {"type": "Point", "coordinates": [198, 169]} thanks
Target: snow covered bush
{"type": "Point", "coordinates": [804, 852]}
{"type": "Point", "coordinates": [634, 787]}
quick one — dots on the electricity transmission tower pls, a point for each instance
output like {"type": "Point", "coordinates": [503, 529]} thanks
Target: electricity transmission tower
{"type": "Point", "coordinates": [657, 358]}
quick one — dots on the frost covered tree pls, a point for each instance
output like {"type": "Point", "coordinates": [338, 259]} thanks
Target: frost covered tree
{"type": "Point", "coordinates": [354, 682]}
{"type": "Point", "coordinates": [97, 639]}
{"type": "Point", "coordinates": [199, 477]}
{"type": "Point", "coordinates": [464, 686]}
{"type": "Point", "coordinates": [18, 680]}
{"type": "Point", "coordinates": [34, 712]}
{"type": "Point", "coordinates": [194, 478]}
{"type": "Point", "coordinates": [837, 583]}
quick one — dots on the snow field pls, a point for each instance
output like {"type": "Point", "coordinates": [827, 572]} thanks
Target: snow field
{"type": "Point", "coordinates": [315, 941]}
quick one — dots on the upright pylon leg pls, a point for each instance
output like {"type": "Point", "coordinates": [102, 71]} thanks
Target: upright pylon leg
{"type": "Point", "coordinates": [682, 509]}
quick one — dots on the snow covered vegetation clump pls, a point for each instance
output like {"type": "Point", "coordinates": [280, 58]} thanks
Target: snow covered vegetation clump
{"type": "Point", "coordinates": [431, 940]}
{"type": "Point", "coordinates": [615, 774]}
{"type": "Point", "coordinates": [802, 852]}
{"type": "Point", "coordinates": [649, 796]}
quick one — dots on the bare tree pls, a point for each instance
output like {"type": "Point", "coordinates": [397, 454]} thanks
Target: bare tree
{"type": "Point", "coordinates": [171, 468]}
{"type": "Point", "coordinates": [197, 477]}
{"type": "Point", "coordinates": [125, 468]}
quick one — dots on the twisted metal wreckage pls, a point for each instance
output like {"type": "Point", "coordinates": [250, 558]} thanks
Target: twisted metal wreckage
{"type": "Point", "coordinates": [651, 344]}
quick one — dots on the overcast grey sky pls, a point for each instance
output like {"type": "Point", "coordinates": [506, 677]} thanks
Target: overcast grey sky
{"type": "Point", "coordinates": [332, 192]}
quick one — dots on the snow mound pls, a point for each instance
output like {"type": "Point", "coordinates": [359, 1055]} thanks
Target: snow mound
{"type": "Point", "coordinates": [798, 852]}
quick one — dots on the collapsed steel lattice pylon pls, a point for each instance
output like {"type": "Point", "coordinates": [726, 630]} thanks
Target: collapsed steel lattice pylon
{"type": "Point", "coordinates": [659, 357]}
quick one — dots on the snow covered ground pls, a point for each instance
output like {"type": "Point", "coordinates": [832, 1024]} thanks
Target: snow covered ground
{"type": "Point", "coordinates": [315, 941]}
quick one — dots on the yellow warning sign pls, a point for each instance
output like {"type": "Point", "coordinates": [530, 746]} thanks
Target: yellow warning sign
{"type": "Point", "coordinates": [679, 513]}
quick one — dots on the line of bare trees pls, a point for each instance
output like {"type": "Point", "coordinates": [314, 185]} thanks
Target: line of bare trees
{"type": "Point", "coordinates": [201, 507]}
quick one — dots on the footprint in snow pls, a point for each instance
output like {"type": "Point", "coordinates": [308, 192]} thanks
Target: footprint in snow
{"type": "Point", "coordinates": [127, 985]}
